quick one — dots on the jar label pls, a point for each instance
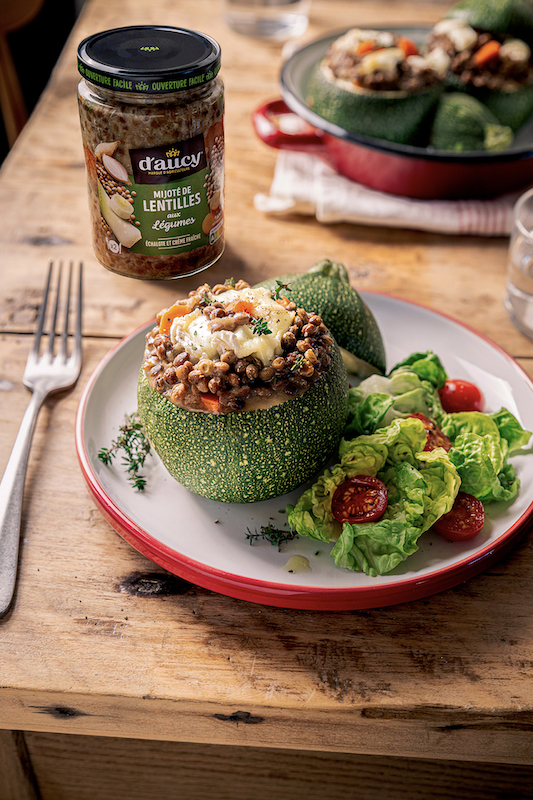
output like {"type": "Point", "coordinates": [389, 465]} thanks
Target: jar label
{"type": "Point", "coordinates": [170, 204]}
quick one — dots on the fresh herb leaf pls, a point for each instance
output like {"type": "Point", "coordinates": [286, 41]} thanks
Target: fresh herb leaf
{"type": "Point", "coordinates": [279, 287]}
{"type": "Point", "coordinates": [135, 448]}
{"type": "Point", "coordinates": [298, 363]}
{"type": "Point", "coordinates": [230, 282]}
{"type": "Point", "coordinates": [271, 534]}
{"type": "Point", "coordinates": [261, 327]}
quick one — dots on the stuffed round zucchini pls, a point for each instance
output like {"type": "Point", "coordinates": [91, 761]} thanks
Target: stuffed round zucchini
{"type": "Point", "coordinates": [375, 83]}
{"type": "Point", "coordinates": [242, 394]}
{"type": "Point", "coordinates": [493, 66]}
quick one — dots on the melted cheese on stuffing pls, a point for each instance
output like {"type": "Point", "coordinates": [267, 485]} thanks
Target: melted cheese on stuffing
{"type": "Point", "coordinates": [193, 331]}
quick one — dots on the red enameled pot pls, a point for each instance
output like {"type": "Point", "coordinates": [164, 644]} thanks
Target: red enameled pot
{"type": "Point", "coordinates": [416, 172]}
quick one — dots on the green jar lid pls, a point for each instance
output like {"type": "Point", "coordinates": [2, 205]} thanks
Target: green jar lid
{"type": "Point", "coordinates": [149, 59]}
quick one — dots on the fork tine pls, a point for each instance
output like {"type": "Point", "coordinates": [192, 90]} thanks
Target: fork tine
{"type": "Point", "coordinates": [76, 353]}
{"type": "Point", "coordinates": [52, 331]}
{"type": "Point", "coordinates": [42, 314]}
{"type": "Point", "coordinates": [64, 335]}
{"type": "Point", "coordinates": [78, 310]}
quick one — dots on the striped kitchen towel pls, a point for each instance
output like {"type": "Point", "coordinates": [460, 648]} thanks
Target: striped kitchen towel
{"type": "Point", "coordinates": [304, 184]}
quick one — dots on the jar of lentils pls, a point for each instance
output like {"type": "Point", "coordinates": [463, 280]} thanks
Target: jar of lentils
{"type": "Point", "coordinates": [151, 107]}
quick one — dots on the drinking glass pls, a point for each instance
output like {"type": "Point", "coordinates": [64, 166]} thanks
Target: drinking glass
{"type": "Point", "coordinates": [519, 291]}
{"type": "Point", "coordinates": [275, 20]}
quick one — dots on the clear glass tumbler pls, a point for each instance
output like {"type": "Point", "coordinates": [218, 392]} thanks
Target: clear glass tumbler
{"type": "Point", "coordinates": [275, 20]}
{"type": "Point", "coordinates": [519, 291]}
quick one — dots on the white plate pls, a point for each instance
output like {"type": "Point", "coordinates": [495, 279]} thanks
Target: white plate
{"type": "Point", "coordinates": [205, 541]}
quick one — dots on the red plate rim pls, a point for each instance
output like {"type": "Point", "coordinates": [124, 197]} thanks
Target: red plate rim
{"type": "Point", "coordinates": [279, 594]}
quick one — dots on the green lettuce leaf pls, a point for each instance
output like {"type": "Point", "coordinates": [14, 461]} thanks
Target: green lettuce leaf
{"type": "Point", "coordinates": [483, 471]}
{"type": "Point", "coordinates": [378, 400]}
{"type": "Point", "coordinates": [511, 430]}
{"type": "Point", "coordinates": [481, 444]}
{"type": "Point", "coordinates": [427, 366]}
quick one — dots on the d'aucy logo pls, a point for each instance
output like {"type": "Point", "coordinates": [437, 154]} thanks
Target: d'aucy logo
{"type": "Point", "coordinates": [149, 48]}
{"type": "Point", "coordinates": [169, 163]}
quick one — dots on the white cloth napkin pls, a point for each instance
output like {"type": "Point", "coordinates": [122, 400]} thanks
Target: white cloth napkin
{"type": "Point", "coordinates": [304, 184]}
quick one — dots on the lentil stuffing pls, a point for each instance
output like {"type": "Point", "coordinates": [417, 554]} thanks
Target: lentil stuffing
{"type": "Point", "coordinates": [383, 61]}
{"type": "Point", "coordinates": [482, 59]}
{"type": "Point", "coordinates": [286, 358]}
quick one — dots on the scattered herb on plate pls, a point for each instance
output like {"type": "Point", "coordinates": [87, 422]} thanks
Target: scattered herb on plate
{"type": "Point", "coordinates": [135, 447]}
{"type": "Point", "coordinates": [271, 534]}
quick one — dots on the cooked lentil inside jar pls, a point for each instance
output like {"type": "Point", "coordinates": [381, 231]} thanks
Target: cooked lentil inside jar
{"type": "Point", "coordinates": [153, 137]}
{"type": "Point", "coordinates": [233, 348]}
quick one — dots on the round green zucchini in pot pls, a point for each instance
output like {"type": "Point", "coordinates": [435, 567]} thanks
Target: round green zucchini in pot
{"type": "Point", "coordinates": [395, 116]}
{"type": "Point", "coordinates": [464, 124]}
{"type": "Point", "coordinates": [325, 290]}
{"type": "Point", "coordinates": [248, 456]}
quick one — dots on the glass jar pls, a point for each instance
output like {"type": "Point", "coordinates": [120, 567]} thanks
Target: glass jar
{"type": "Point", "coordinates": [152, 119]}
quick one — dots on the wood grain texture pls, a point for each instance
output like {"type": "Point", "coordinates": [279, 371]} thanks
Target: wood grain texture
{"type": "Point", "coordinates": [17, 780]}
{"type": "Point", "coordinates": [101, 641]}
{"type": "Point", "coordinates": [93, 768]}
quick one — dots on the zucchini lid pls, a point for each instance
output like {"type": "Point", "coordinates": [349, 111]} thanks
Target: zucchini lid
{"type": "Point", "coordinates": [464, 124]}
{"type": "Point", "coordinates": [325, 290]}
{"type": "Point", "coordinates": [248, 456]}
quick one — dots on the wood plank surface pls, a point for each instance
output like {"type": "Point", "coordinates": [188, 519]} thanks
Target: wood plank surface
{"type": "Point", "coordinates": [17, 780]}
{"type": "Point", "coordinates": [101, 641]}
{"type": "Point", "coordinates": [94, 768]}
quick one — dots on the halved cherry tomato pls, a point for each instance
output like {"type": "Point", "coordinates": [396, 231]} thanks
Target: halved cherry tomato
{"type": "Point", "coordinates": [243, 305]}
{"type": "Point", "coordinates": [210, 402]}
{"type": "Point", "coordinates": [359, 499]}
{"type": "Point", "coordinates": [458, 395]}
{"type": "Point", "coordinates": [486, 53]}
{"type": "Point", "coordinates": [464, 521]}
{"type": "Point", "coordinates": [409, 47]}
{"type": "Point", "coordinates": [170, 315]}
{"type": "Point", "coordinates": [435, 437]}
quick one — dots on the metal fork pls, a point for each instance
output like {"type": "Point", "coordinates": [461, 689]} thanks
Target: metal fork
{"type": "Point", "coordinates": [45, 374]}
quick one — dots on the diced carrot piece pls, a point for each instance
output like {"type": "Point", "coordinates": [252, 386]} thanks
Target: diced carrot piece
{"type": "Point", "coordinates": [283, 301]}
{"type": "Point", "coordinates": [487, 53]}
{"type": "Point", "coordinates": [242, 305]}
{"type": "Point", "coordinates": [408, 46]}
{"type": "Point", "coordinates": [210, 402]}
{"type": "Point", "coordinates": [170, 314]}
{"type": "Point", "coordinates": [366, 46]}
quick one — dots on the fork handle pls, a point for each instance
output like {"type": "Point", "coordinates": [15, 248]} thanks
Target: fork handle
{"type": "Point", "coordinates": [11, 493]}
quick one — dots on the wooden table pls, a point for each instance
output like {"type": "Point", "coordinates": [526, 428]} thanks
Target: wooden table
{"type": "Point", "coordinates": [119, 680]}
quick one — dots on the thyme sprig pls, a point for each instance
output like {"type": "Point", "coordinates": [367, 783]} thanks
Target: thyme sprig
{"type": "Point", "coordinates": [261, 327]}
{"type": "Point", "coordinates": [275, 536]}
{"type": "Point", "coordinates": [280, 285]}
{"type": "Point", "coordinates": [135, 447]}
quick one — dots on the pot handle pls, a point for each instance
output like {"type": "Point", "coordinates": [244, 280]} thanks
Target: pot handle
{"type": "Point", "coordinates": [266, 121]}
